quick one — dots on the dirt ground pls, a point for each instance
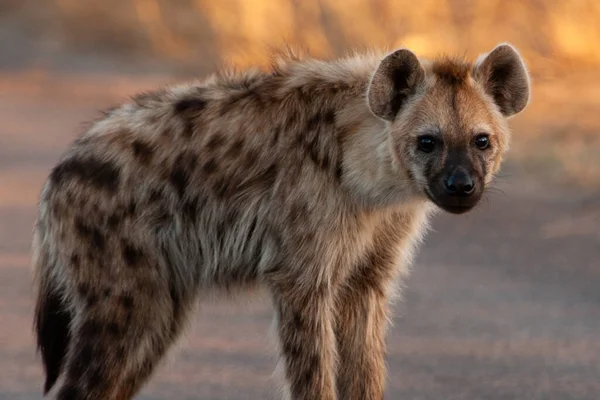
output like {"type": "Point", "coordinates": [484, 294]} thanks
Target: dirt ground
{"type": "Point", "coordinates": [503, 303]}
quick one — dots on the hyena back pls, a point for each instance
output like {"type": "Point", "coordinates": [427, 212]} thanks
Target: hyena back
{"type": "Point", "coordinates": [314, 179]}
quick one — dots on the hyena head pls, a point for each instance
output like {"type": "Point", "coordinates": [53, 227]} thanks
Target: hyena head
{"type": "Point", "coordinates": [447, 119]}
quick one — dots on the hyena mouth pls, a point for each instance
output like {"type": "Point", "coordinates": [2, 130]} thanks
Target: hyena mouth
{"type": "Point", "coordinates": [453, 205]}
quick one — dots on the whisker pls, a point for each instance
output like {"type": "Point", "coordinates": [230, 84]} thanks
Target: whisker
{"type": "Point", "coordinates": [496, 190]}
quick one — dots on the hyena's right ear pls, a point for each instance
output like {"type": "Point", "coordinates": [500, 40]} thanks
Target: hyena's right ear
{"type": "Point", "coordinates": [397, 78]}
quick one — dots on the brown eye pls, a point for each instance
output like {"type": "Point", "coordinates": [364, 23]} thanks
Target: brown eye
{"type": "Point", "coordinates": [482, 141]}
{"type": "Point", "coordinates": [426, 143]}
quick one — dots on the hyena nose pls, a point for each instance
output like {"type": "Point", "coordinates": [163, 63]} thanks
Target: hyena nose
{"type": "Point", "coordinates": [459, 184]}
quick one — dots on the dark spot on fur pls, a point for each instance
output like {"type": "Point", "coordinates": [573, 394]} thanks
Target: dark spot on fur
{"type": "Point", "coordinates": [90, 233]}
{"type": "Point", "coordinates": [313, 122]}
{"type": "Point", "coordinates": [291, 348]}
{"type": "Point", "coordinates": [83, 290]}
{"type": "Point", "coordinates": [235, 149]}
{"type": "Point", "coordinates": [114, 329]}
{"type": "Point", "coordinates": [190, 108]}
{"type": "Point", "coordinates": [325, 161]}
{"type": "Point", "coordinates": [155, 196]}
{"type": "Point", "coordinates": [307, 378]}
{"type": "Point", "coordinates": [275, 138]}
{"type": "Point", "coordinates": [367, 276]}
{"type": "Point", "coordinates": [297, 321]}
{"type": "Point", "coordinates": [210, 166]}
{"type": "Point", "coordinates": [142, 151]}
{"type": "Point", "coordinates": [127, 301]}
{"type": "Point", "coordinates": [113, 221]}
{"type": "Point", "coordinates": [192, 104]}
{"type": "Point", "coordinates": [131, 254]}
{"type": "Point", "coordinates": [187, 160]}
{"type": "Point", "coordinates": [97, 239]}
{"type": "Point", "coordinates": [322, 117]}
{"type": "Point", "coordinates": [180, 179]}
{"type": "Point", "coordinates": [128, 317]}
{"type": "Point", "coordinates": [127, 210]}
{"type": "Point", "coordinates": [92, 299]}
{"type": "Point", "coordinates": [75, 260]}
{"type": "Point", "coordinates": [313, 150]}
{"type": "Point", "coordinates": [91, 329]}
{"type": "Point", "coordinates": [100, 174]}
{"type": "Point", "coordinates": [216, 140]}
{"type": "Point", "coordinates": [106, 292]}
{"type": "Point", "coordinates": [167, 134]}
{"type": "Point", "coordinates": [329, 116]}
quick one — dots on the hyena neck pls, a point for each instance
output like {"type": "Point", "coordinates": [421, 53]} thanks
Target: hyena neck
{"type": "Point", "coordinates": [372, 172]}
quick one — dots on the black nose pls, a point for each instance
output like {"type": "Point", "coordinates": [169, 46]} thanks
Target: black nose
{"type": "Point", "coordinates": [459, 184]}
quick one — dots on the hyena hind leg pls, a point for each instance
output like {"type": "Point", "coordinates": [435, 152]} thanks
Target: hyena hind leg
{"type": "Point", "coordinates": [116, 343]}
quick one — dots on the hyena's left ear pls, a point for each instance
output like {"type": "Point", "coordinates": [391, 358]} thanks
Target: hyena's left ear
{"type": "Point", "coordinates": [396, 80]}
{"type": "Point", "coordinates": [504, 76]}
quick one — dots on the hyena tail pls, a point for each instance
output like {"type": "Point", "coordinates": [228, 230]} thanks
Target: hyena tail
{"type": "Point", "coordinates": [52, 319]}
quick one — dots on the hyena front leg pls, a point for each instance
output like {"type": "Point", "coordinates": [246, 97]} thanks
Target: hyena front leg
{"type": "Point", "coordinates": [306, 337]}
{"type": "Point", "coordinates": [361, 317]}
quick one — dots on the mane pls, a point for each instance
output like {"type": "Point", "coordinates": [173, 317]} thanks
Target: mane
{"type": "Point", "coordinates": [281, 58]}
{"type": "Point", "coordinates": [452, 70]}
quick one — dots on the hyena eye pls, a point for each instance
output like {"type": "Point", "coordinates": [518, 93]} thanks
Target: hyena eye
{"type": "Point", "coordinates": [426, 143]}
{"type": "Point", "coordinates": [482, 141]}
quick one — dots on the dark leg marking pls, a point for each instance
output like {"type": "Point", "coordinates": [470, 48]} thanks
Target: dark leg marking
{"type": "Point", "coordinates": [100, 174]}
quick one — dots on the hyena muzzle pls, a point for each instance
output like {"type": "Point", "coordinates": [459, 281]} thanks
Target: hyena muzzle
{"type": "Point", "coordinates": [314, 179]}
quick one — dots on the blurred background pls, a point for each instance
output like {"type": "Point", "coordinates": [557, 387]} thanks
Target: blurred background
{"type": "Point", "coordinates": [503, 303]}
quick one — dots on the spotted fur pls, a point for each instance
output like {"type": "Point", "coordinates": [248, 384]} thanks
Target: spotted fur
{"type": "Point", "coordinates": [305, 179]}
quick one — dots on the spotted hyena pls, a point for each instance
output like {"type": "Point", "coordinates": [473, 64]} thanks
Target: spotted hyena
{"type": "Point", "coordinates": [314, 179]}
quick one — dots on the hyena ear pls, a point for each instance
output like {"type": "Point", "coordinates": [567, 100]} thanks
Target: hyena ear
{"type": "Point", "coordinates": [397, 78]}
{"type": "Point", "coordinates": [504, 76]}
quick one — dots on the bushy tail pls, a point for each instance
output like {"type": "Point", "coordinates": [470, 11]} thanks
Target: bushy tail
{"type": "Point", "coordinates": [52, 319]}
